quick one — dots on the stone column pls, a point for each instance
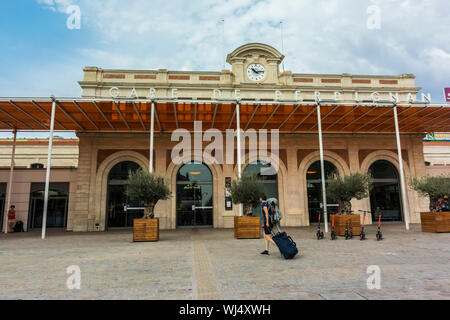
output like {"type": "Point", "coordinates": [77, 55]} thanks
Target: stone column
{"type": "Point", "coordinates": [81, 209]}
{"type": "Point", "coordinates": [294, 212]}
{"type": "Point", "coordinates": [353, 157]}
{"type": "Point", "coordinates": [163, 208]}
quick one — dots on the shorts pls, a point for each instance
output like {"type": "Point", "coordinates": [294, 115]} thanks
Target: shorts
{"type": "Point", "coordinates": [268, 229]}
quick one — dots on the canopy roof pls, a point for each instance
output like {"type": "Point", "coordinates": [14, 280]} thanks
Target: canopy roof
{"type": "Point", "coordinates": [107, 115]}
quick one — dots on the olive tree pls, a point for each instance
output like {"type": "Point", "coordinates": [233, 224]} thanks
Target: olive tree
{"type": "Point", "coordinates": [432, 187]}
{"type": "Point", "coordinates": [247, 191]}
{"type": "Point", "coordinates": [344, 189]}
{"type": "Point", "coordinates": [147, 188]}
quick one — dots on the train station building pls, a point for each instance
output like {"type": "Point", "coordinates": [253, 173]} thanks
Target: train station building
{"type": "Point", "coordinates": [126, 119]}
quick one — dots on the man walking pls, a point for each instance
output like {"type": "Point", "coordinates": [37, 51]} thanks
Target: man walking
{"type": "Point", "coordinates": [266, 212]}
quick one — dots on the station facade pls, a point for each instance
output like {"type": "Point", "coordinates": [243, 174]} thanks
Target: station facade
{"type": "Point", "coordinates": [352, 141]}
{"type": "Point", "coordinates": [199, 196]}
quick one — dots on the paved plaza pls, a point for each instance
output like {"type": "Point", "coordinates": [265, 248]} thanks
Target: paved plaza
{"type": "Point", "coordinates": [211, 264]}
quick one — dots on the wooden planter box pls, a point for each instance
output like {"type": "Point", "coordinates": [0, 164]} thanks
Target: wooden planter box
{"type": "Point", "coordinates": [145, 230]}
{"type": "Point", "coordinates": [340, 223]}
{"type": "Point", "coordinates": [436, 222]}
{"type": "Point", "coordinates": [247, 227]}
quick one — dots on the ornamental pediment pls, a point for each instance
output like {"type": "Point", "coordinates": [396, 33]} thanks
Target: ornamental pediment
{"type": "Point", "coordinates": [255, 50]}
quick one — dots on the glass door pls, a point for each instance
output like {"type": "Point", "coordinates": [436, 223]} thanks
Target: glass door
{"type": "Point", "coordinates": [56, 212]}
{"type": "Point", "coordinates": [194, 196]}
{"type": "Point", "coordinates": [121, 211]}
{"type": "Point", "coordinates": [2, 203]}
{"type": "Point", "coordinates": [314, 190]}
{"type": "Point", "coordinates": [194, 204]}
{"type": "Point", "coordinates": [2, 212]}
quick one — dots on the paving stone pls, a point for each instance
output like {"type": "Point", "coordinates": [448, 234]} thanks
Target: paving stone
{"type": "Point", "coordinates": [211, 264]}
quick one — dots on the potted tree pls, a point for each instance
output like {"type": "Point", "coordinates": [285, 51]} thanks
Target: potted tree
{"type": "Point", "coordinates": [247, 191]}
{"type": "Point", "coordinates": [147, 188]}
{"type": "Point", "coordinates": [353, 186]}
{"type": "Point", "coordinates": [435, 188]}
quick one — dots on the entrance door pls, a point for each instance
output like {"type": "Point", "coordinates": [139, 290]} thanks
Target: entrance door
{"type": "Point", "coordinates": [58, 200]}
{"type": "Point", "coordinates": [194, 196]}
{"type": "Point", "coordinates": [2, 203]}
{"type": "Point", "coordinates": [314, 187]}
{"type": "Point", "coordinates": [56, 212]}
{"type": "Point", "coordinates": [267, 173]}
{"type": "Point", "coordinates": [120, 210]}
{"type": "Point", "coordinates": [385, 194]}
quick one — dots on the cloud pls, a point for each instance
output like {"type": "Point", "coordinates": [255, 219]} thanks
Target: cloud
{"type": "Point", "coordinates": [324, 37]}
{"type": "Point", "coordinates": [56, 5]}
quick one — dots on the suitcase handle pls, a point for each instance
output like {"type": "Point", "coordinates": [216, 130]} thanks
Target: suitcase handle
{"type": "Point", "coordinates": [289, 237]}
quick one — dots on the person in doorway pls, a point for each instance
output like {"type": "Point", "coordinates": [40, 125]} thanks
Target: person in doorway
{"type": "Point", "coordinates": [266, 212]}
{"type": "Point", "coordinates": [11, 218]}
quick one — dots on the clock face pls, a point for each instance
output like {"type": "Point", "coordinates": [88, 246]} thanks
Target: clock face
{"type": "Point", "coordinates": [256, 72]}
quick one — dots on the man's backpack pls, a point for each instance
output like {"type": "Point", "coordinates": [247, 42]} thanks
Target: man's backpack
{"type": "Point", "coordinates": [18, 227]}
{"type": "Point", "coordinates": [276, 213]}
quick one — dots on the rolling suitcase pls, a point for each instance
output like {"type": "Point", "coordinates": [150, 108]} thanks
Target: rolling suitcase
{"type": "Point", "coordinates": [287, 246]}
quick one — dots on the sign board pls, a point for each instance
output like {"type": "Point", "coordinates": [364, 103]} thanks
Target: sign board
{"type": "Point", "coordinates": [447, 94]}
{"type": "Point", "coordinates": [228, 202]}
{"type": "Point", "coordinates": [435, 136]}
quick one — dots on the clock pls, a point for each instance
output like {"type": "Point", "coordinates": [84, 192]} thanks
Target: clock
{"type": "Point", "coordinates": [256, 72]}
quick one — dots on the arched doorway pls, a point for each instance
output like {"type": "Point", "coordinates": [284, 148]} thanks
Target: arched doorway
{"type": "Point", "coordinates": [120, 210]}
{"type": "Point", "coordinates": [269, 176]}
{"type": "Point", "coordinates": [386, 191]}
{"type": "Point", "coordinates": [194, 203]}
{"type": "Point", "coordinates": [314, 186]}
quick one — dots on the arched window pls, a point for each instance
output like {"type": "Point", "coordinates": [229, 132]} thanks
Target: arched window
{"type": "Point", "coordinates": [120, 210]}
{"type": "Point", "coordinates": [37, 166]}
{"type": "Point", "coordinates": [194, 195]}
{"type": "Point", "coordinates": [268, 174]}
{"type": "Point", "coordinates": [314, 186]}
{"type": "Point", "coordinates": [385, 195]}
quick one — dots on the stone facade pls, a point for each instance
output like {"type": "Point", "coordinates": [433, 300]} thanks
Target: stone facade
{"type": "Point", "coordinates": [99, 152]}
{"type": "Point", "coordinates": [437, 157]}
{"type": "Point", "coordinates": [34, 151]}
{"type": "Point", "coordinates": [31, 152]}
{"type": "Point", "coordinates": [349, 153]}
{"type": "Point", "coordinates": [103, 83]}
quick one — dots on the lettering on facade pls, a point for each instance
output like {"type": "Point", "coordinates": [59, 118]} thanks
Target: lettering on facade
{"type": "Point", "coordinates": [277, 95]}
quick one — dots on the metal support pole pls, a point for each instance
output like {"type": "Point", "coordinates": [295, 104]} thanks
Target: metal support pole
{"type": "Point", "coordinates": [402, 175]}
{"type": "Point", "coordinates": [11, 173]}
{"type": "Point", "coordinates": [152, 132]}
{"type": "Point", "coordinates": [282, 41]}
{"type": "Point", "coordinates": [239, 160]}
{"type": "Point", "coordinates": [322, 169]}
{"type": "Point", "coordinates": [49, 164]}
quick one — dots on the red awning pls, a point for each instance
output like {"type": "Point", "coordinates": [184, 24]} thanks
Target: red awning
{"type": "Point", "coordinates": [104, 115]}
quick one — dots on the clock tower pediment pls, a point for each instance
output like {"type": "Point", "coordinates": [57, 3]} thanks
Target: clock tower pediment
{"type": "Point", "coordinates": [255, 63]}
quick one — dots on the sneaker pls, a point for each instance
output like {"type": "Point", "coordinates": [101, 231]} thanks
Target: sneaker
{"type": "Point", "coordinates": [265, 252]}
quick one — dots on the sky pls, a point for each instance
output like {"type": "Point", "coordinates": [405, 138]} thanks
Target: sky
{"type": "Point", "coordinates": [43, 54]}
